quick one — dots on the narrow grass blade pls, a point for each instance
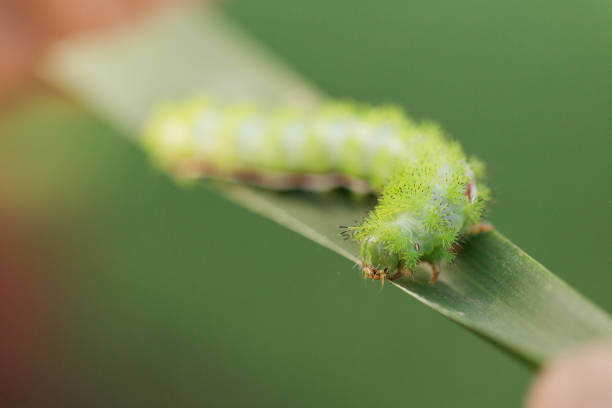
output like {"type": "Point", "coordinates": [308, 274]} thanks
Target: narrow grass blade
{"type": "Point", "coordinates": [494, 289]}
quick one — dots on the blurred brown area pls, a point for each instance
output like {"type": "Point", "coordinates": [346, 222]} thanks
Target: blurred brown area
{"type": "Point", "coordinates": [24, 317]}
{"type": "Point", "coordinates": [29, 27]}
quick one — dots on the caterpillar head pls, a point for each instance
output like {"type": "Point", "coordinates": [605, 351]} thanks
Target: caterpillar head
{"type": "Point", "coordinates": [379, 263]}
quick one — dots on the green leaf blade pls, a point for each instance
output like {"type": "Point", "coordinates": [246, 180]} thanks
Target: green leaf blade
{"type": "Point", "coordinates": [494, 288]}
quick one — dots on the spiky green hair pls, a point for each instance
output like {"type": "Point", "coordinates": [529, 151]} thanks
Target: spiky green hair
{"type": "Point", "coordinates": [430, 194]}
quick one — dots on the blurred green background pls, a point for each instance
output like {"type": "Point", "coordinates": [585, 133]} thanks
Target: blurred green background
{"type": "Point", "coordinates": [142, 293]}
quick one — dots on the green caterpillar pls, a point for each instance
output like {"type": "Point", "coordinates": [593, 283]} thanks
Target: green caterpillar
{"type": "Point", "coordinates": [430, 193]}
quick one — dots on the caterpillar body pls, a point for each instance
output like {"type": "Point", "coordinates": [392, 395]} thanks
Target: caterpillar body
{"type": "Point", "coordinates": [430, 193]}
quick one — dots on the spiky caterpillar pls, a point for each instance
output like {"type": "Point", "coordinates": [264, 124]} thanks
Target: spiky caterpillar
{"type": "Point", "coordinates": [430, 193]}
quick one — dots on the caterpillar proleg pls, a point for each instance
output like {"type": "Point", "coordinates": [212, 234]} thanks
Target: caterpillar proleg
{"type": "Point", "coordinates": [429, 193]}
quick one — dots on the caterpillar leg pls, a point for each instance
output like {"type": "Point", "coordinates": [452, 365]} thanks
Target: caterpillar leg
{"type": "Point", "coordinates": [435, 272]}
{"type": "Point", "coordinates": [397, 275]}
{"type": "Point", "coordinates": [385, 275]}
{"type": "Point", "coordinates": [457, 248]}
{"type": "Point", "coordinates": [480, 228]}
{"type": "Point", "coordinates": [369, 272]}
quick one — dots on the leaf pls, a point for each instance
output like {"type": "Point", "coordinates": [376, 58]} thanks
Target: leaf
{"type": "Point", "coordinates": [494, 288]}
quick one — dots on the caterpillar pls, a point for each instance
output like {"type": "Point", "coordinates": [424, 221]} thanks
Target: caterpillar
{"type": "Point", "coordinates": [429, 193]}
